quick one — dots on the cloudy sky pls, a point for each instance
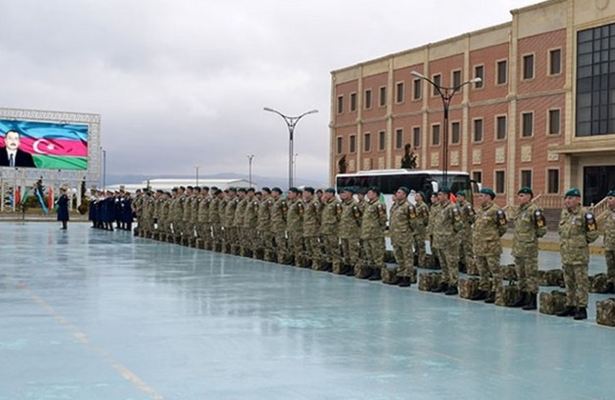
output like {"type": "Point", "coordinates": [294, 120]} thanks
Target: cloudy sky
{"type": "Point", "coordinates": [182, 83]}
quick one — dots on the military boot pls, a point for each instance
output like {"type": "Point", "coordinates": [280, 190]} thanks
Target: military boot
{"type": "Point", "coordinates": [480, 295]}
{"type": "Point", "coordinates": [523, 300]}
{"type": "Point", "coordinates": [348, 270]}
{"type": "Point", "coordinates": [581, 313]}
{"type": "Point", "coordinates": [443, 287]}
{"type": "Point", "coordinates": [375, 276]}
{"type": "Point", "coordinates": [404, 281]}
{"type": "Point", "coordinates": [569, 311]}
{"type": "Point", "coordinates": [452, 290]}
{"type": "Point", "coordinates": [531, 302]}
{"type": "Point", "coordinates": [491, 298]}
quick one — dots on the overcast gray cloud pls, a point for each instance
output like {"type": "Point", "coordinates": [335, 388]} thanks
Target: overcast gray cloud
{"type": "Point", "coordinates": [183, 82]}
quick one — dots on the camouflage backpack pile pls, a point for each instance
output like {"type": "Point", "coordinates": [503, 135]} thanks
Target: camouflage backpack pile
{"type": "Point", "coordinates": [468, 288]}
{"type": "Point", "coordinates": [429, 281]}
{"type": "Point", "coordinates": [599, 283]}
{"type": "Point", "coordinates": [389, 276]}
{"type": "Point", "coordinates": [605, 312]}
{"type": "Point", "coordinates": [552, 277]}
{"type": "Point", "coordinates": [510, 295]}
{"type": "Point", "coordinates": [552, 303]}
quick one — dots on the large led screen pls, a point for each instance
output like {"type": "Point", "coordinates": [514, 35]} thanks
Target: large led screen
{"type": "Point", "coordinates": [46, 145]}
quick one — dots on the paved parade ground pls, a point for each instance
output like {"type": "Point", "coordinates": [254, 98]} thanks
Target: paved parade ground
{"type": "Point", "coordinates": [90, 314]}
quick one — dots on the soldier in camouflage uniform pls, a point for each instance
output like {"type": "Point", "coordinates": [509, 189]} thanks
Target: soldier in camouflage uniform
{"type": "Point", "coordinates": [349, 232]}
{"type": "Point", "coordinates": [137, 209]}
{"type": "Point", "coordinates": [401, 228]}
{"type": "Point", "coordinates": [250, 222]}
{"type": "Point", "coordinates": [188, 229]}
{"type": "Point", "coordinates": [330, 218]}
{"type": "Point", "coordinates": [177, 214]}
{"type": "Point", "coordinates": [607, 222]}
{"type": "Point", "coordinates": [229, 219]}
{"type": "Point", "coordinates": [197, 197]}
{"type": "Point", "coordinates": [148, 215]}
{"type": "Point", "coordinates": [529, 222]}
{"type": "Point", "coordinates": [433, 214]}
{"type": "Point", "coordinates": [447, 225]}
{"type": "Point", "coordinates": [215, 219]}
{"type": "Point", "coordinates": [419, 229]}
{"type": "Point", "coordinates": [239, 233]}
{"type": "Point", "coordinates": [577, 228]}
{"type": "Point", "coordinates": [158, 200]}
{"type": "Point", "coordinates": [489, 227]}
{"type": "Point", "coordinates": [279, 212]}
{"type": "Point", "coordinates": [264, 235]}
{"type": "Point", "coordinates": [466, 251]}
{"type": "Point", "coordinates": [202, 226]}
{"type": "Point", "coordinates": [294, 226]}
{"type": "Point", "coordinates": [163, 218]}
{"type": "Point", "coordinates": [311, 229]}
{"type": "Point", "coordinates": [373, 225]}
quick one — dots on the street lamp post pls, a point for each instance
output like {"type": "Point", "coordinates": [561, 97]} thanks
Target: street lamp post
{"type": "Point", "coordinates": [447, 94]}
{"type": "Point", "coordinates": [291, 122]}
{"type": "Point", "coordinates": [295, 167]}
{"type": "Point", "coordinates": [250, 158]}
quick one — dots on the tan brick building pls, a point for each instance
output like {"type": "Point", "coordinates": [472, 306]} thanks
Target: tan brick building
{"type": "Point", "coordinates": [544, 114]}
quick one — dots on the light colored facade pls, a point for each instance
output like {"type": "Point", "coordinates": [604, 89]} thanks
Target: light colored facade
{"type": "Point", "coordinates": [518, 127]}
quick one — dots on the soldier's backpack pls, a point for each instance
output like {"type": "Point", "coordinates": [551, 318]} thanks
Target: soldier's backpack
{"type": "Point", "coordinates": [552, 277]}
{"type": "Point", "coordinates": [429, 281]}
{"type": "Point", "coordinates": [389, 276]}
{"type": "Point", "coordinates": [605, 312]}
{"type": "Point", "coordinates": [552, 303]}
{"type": "Point", "coordinates": [431, 262]}
{"type": "Point", "coordinates": [510, 295]}
{"type": "Point", "coordinates": [509, 272]}
{"type": "Point", "coordinates": [362, 272]}
{"type": "Point", "coordinates": [599, 283]}
{"type": "Point", "coordinates": [468, 288]}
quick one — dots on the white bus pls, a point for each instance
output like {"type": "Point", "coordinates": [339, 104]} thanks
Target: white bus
{"type": "Point", "coordinates": [389, 180]}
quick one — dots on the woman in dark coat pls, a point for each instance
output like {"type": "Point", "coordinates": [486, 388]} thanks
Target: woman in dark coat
{"type": "Point", "coordinates": [62, 203]}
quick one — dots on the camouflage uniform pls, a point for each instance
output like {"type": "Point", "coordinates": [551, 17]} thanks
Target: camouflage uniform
{"type": "Point", "coordinates": [229, 227]}
{"type": "Point", "coordinates": [177, 215]}
{"type": "Point", "coordinates": [420, 232]}
{"type": "Point", "coordinates": [311, 228]}
{"type": "Point", "coordinates": [330, 217]}
{"type": "Point", "coordinates": [163, 221]}
{"type": "Point", "coordinates": [250, 222]}
{"type": "Point", "coordinates": [373, 225]}
{"type": "Point", "coordinates": [403, 215]}
{"type": "Point", "coordinates": [216, 212]}
{"type": "Point", "coordinates": [609, 243]}
{"type": "Point", "coordinates": [466, 254]}
{"type": "Point", "coordinates": [486, 235]}
{"type": "Point", "coordinates": [279, 212]}
{"type": "Point", "coordinates": [575, 236]}
{"type": "Point", "coordinates": [350, 234]}
{"type": "Point", "coordinates": [239, 232]}
{"type": "Point", "coordinates": [137, 206]}
{"type": "Point", "coordinates": [528, 228]}
{"type": "Point", "coordinates": [294, 227]}
{"type": "Point", "coordinates": [204, 223]}
{"type": "Point", "coordinates": [447, 225]}
{"type": "Point", "coordinates": [188, 228]}
{"type": "Point", "coordinates": [197, 229]}
{"type": "Point", "coordinates": [263, 229]}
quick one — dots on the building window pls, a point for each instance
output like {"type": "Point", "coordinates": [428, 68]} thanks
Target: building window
{"type": "Point", "coordinates": [353, 102]}
{"type": "Point", "coordinates": [479, 72]}
{"type": "Point", "coordinates": [437, 79]}
{"type": "Point", "coordinates": [477, 176]}
{"type": "Point", "coordinates": [416, 136]}
{"type": "Point", "coordinates": [381, 140]}
{"type": "Point", "coordinates": [528, 66]}
{"type": "Point", "coordinates": [383, 96]}
{"type": "Point", "coordinates": [353, 144]}
{"type": "Point", "coordinates": [340, 104]}
{"type": "Point", "coordinates": [435, 135]}
{"type": "Point", "coordinates": [418, 84]}
{"type": "Point", "coordinates": [555, 62]}
{"type": "Point", "coordinates": [527, 124]}
{"type": "Point", "coordinates": [500, 181]}
{"type": "Point", "coordinates": [500, 127]}
{"type": "Point", "coordinates": [340, 149]}
{"type": "Point", "coordinates": [455, 132]}
{"type": "Point", "coordinates": [501, 72]}
{"type": "Point", "coordinates": [596, 81]}
{"type": "Point", "coordinates": [456, 79]}
{"type": "Point", "coordinates": [367, 146]}
{"type": "Point", "coordinates": [478, 130]}
{"type": "Point", "coordinates": [368, 99]}
{"type": "Point", "coordinates": [553, 181]}
{"type": "Point", "coordinates": [399, 138]}
{"type": "Point", "coordinates": [554, 122]}
{"type": "Point", "coordinates": [399, 92]}
{"type": "Point", "coordinates": [526, 178]}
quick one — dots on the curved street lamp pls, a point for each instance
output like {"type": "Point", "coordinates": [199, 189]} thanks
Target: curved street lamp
{"type": "Point", "coordinates": [291, 122]}
{"type": "Point", "coordinates": [446, 93]}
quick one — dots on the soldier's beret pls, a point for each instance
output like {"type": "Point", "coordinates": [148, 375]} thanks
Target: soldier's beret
{"type": "Point", "coordinates": [205, 188]}
{"type": "Point", "coordinates": [422, 194]}
{"type": "Point", "coordinates": [348, 189]}
{"type": "Point", "coordinates": [294, 190]}
{"type": "Point", "coordinates": [232, 190]}
{"type": "Point", "coordinates": [251, 190]}
{"type": "Point", "coordinates": [159, 191]}
{"type": "Point", "coordinates": [266, 190]}
{"type": "Point", "coordinates": [277, 189]}
{"type": "Point", "coordinates": [241, 190]}
{"type": "Point", "coordinates": [182, 188]}
{"type": "Point", "coordinates": [214, 188]}
{"type": "Point", "coordinates": [611, 193]}
{"type": "Point", "coordinates": [319, 191]}
{"type": "Point", "coordinates": [374, 189]}
{"type": "Point", "coordinates": [174, 190]}
{"type": "Point", "coordinates": [364, 190]}
{"type": "Point", "coordinates": [190, 187]}
{"type": "Point", "coordinates": [308, 189]}
{"type": "Point", "coordinates": [488, 191]}
{"type": "Point", "coordinates": [444, 189]}
{"type": "Point", "coordinates": [461, 193]}
{"type": "Point", "coordinates": [330, 190]}
{"type": "Point", "coordinates": [196, 188]}
{"type": "Point", "coordinates": [573, 192]}
{"type": "Point", "coordinates": [404, 189]}
{"type": "Point", "coordinates": [526, 190]}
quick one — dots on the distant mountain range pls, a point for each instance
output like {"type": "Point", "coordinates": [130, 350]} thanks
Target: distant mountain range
{"type": "Point", "coordinates": [259, 181]}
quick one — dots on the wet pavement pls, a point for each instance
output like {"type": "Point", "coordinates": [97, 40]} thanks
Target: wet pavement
{"type": "Point", "coordinates": [96, 315]}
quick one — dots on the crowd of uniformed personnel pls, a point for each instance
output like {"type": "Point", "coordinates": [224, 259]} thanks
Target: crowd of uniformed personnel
{"type": "Point", "coordinates": [346, 235]}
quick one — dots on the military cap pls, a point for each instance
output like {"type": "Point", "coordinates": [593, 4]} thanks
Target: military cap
{"type": "Point", "coordinates": [365, 190]}
{"type": "Point", "coordinates": [308, 189]}
{"type": "Point", "coordinates": [159, 191]}
{"type": "Point", "coordinates": [349, 190]}
{"type": "Point", "coordinates": [182, 188]}
{"type": "Point", "coordinates": [319, 191]}
{"type": "Point", "coordinates": [190, 187]}
{"type": "Point", "coordinates": [489, 192]}
{"type": "Point", "coordinates": [444, 189]}
{"type": "Point", "coordinates": [174, 189]}
{"type": "Point", "coordinates": [277, 189]}
{"type": "Point", "coordinates": [196, 188]}
{"type": "Point", "coordinates": [232, 190]}
{"type": "Point", "coordinates": [241, 190]}
{"type": "Point", "coordinates": [422, 194]}
{"type": "Point", "coordinates": [611, 193]}
{"type": "Point", "coordinates": [214, 188]}
{"type": "Point", "coordinates": [205, 188]}
{"type": "Point", "coordinates": [373, 189]}
{"type": "Point", "coordinates": [251, 190]}
{"type": "Point", "coordinates": [461, 193]}
{"type": "Point", "coordinates": [330, 190]}
{"type": "Point", "coordinates": [404, 189]}
{"type": "Point", "coordinates": [265, 190]}
{"type": "Point", "coordinates": [526, 190]}
{"type": "Point", "coordinates": [294, 190]}
{"type": "Point", "coordinates": [573, 192]}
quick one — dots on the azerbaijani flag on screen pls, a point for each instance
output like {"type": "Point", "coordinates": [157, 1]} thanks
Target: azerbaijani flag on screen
{"type": "Point", "coordinates": [52, 145]}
